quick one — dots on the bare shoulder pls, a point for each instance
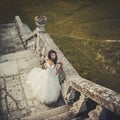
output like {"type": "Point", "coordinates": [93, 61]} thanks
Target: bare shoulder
{"type": "Point", "coordinates": [46, 58]}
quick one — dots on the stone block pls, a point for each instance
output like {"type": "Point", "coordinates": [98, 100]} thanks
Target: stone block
{"type": "Point", "coordinates": [11, 66]}
{"type": "Point", "coordinates": [28, 92]}
{"type": "Point", "coordinates": [12, 105]}
{"type": "Point", "coordinates": [15, 115]}
{"type": "Point", "coordinates": [23, 78]}
{"type": "Point", "coordinates": [22, 104]}
{"type": "Point", "coordinates": [30, 103]}
{"type": "Point", "coordinates": [2, 85]}
{"type": "Point", "coordinates": [22, 64]}
{"type": "Point", "coordinates": [3, 106]}
{"type": "Point", "coordinates": [14, 89]}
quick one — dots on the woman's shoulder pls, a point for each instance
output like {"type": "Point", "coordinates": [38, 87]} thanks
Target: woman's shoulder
{"type": "Point", "coordinates": [59, 61]}
{"type": "Point", "coordinates": [48, 63]}
{"type": "Point", "coordinates": [46, 58]}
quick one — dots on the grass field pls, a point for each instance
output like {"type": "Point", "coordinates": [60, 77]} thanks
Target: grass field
{"type": "Point", "coordinates": [79, 28]}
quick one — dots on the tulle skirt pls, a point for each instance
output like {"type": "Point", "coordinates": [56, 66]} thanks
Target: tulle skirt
{"type": "Point", "coordinates": [44, 84]}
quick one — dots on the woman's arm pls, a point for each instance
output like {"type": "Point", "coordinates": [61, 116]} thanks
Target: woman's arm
{"type": "Point", "coordinates": [61, 64]}
{"type": "Point", "coordinates": [59, 67]}
{"type": "Point", "coordinates": [46, 59]}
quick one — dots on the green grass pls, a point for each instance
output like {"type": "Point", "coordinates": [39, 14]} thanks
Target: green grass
{"type": "Point", "coordinates": [94, 60]}
{"type": "Point", "coordinates": [71, 23]}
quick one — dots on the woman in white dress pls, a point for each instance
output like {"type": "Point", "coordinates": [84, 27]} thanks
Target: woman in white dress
{"type": "Point", "coordinates": [45, 82]}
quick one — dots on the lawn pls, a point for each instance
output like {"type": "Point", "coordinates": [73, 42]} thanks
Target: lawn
{"type": "Point", "coordinates": [79, 28]}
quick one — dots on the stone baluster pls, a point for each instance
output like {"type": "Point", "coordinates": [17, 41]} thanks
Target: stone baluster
{"type": "Point", "coordinates": [70, 95]}
{"type": "Point", "coordinates": [95, 114]}
{"type": "Point", "coordinates": [80, 105]}
{"type": "Point", "coordinates": [40, 21]}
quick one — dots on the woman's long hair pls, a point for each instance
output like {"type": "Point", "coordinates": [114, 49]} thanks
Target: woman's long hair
{"type": "Point", "coordinates": [49, 56]}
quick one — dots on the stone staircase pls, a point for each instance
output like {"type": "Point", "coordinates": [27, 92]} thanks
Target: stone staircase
{"type": "Point", "coordinates": [58, 113]}
{"type": "Point", "coordinates": [8, 37]}
{"type": "Point", "coordinates": [16, 97]}
{"type": "Point", "coordinates": [20, 51]}
{"type": "Point", "coordinates": [16, 100]}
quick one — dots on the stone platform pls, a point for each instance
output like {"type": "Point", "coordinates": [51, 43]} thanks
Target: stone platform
{"type": "Point", "coordinates": [20, 51]}
{"type": "Point", "coordinates": [16, 98]}
{"type": "Point", "coordinates": [8, 37]}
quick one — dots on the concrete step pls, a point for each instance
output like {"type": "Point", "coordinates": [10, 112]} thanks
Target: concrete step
{"type": "Point", "coordinates": [28, 54]}
{"type": "Point", "coordinates": [15, 62]}
{"type": "Point", "coordinates": [4, 26]}
{"type": "Point", "coordinates": [64, 116]}
{"type": "Point", "coordinates": [8, 37]}
{"type": "Point", "coordinates": [49, 114]}
{"type": "Point", "coordinates": [17, 98]}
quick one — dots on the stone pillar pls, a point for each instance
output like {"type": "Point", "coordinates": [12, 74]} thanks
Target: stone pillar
{"type": "Point", "coordinates": [95, 114]}
{"type": "Point", "coordinates": [40, 21]}
{"type": "Point", "coordinates": [70, 95]}
{"type": "Point", "coordinates": [80, 105]}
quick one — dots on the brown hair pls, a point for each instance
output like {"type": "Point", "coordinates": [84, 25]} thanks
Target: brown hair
{"type": "Point", "coordinates": [49, 56]}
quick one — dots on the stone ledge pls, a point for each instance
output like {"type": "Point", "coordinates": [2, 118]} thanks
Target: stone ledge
{"type": "Point", "coordinates": [101, 95]}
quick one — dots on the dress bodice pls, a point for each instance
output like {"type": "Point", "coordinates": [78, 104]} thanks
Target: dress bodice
{"type": "Point", "coordinates": [51, 68]}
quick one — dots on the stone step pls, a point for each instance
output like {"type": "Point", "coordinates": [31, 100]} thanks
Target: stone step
{"type": "Point", "coordinates": [8, 37]}
{"type": "Point", "coordinates": [17, 55]}
{"type": "Point", "coordinates": [15, 62]}
{"type": "Point", "coordinates": [64, 116]}
{"type": "Point", "coordinates": [62, 110]}
{"type": "Point", "coordinates": [4, 26]}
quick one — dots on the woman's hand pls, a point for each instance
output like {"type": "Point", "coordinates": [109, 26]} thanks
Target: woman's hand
{"type": "Point", "coordinates": [59, 67]}
{"type": "Point", "coordinates": [58, 71]}
{"type": "Point", "coordinates": [61, 64]}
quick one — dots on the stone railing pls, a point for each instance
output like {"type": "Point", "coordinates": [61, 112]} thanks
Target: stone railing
{"type": "Point", "coordinates": [23, 32]}
{"type": "Point", "coordinates": [41, 42]}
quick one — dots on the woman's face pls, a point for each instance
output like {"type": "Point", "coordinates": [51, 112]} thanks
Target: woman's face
{"type": "Point", "coordinates": [53, 56]}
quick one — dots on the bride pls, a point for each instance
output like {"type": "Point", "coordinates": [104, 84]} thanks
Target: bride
{"type": "Point", "coordinates": [44, 82]}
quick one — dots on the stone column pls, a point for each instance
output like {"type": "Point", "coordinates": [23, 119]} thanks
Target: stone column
{"type": "Point", "coordinates": [95, 114]}
{"type": "Point", "coordinates": [40, 21]}
{"type": "Point", "coordinates": [80, 105]}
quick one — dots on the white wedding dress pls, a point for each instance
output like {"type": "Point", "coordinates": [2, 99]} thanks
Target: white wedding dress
{"type": "Point", "coordinates": [44, 83]}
